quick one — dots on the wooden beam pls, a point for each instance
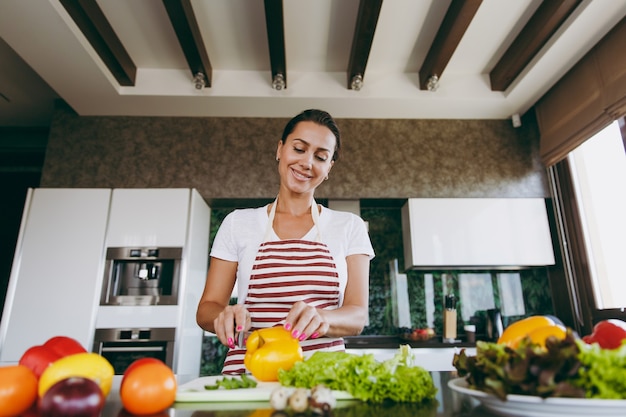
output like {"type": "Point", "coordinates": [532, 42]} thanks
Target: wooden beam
{"type": "Point", "coordinates": [188, 33]}
{"type": "Point", "coordinates": [276, 37]}
{"type": "Point", "coordinates": [366, 22]}
{"type": "Point", "coordinates": [542, 25]}
{"type": "Point", "coordinates": [455, 23]}
{"type": "Point", "coordinates": [94, 25]}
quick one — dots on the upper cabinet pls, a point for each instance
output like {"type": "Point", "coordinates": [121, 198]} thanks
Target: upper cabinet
{"type": "Point", "coordinates": [148, 217]}
{"type": "Point", "coordinates": [476, 233]}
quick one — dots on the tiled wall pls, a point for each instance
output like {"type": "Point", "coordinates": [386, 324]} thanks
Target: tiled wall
{"type": "Point", "coordinates": [234, 158]}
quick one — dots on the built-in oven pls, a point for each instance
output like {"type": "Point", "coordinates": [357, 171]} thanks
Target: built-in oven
{"type": "Point", "coordinates": [123, 346]}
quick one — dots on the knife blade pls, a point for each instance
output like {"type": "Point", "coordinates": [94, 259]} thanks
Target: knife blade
{"type": "Point", "coordinates": [240, 339]}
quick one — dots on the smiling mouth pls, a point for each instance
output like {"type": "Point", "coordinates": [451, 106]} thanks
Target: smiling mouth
{"type": "Point", "coordinates": [300, 176]}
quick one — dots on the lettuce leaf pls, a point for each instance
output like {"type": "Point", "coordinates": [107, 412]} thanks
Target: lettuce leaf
{"type": "Point", "coordinates": [565, 368]}
{"type": "Point", "coordinates": [603, 371]}
{"type": "Point", "coordinates": [395, 379]}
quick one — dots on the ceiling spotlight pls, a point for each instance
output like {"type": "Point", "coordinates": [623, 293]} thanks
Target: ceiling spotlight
{"type": "Point", "coordinates": [198, 80]}
{"type": "Point", "coordinates": [433, 83]}
{"type": "Point", "coordinates": [278, 83]}
{"type": "Point", "coordinates": [357, 82]}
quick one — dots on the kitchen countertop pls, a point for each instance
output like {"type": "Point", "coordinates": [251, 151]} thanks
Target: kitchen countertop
{"type": "Point", "coordinates": [448, 404]}
{"type": "Point", "coordinates": [393, 342]}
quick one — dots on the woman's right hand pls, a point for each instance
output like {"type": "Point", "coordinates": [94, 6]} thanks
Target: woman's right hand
{"type": "Point", "coordinates": [231, 321]}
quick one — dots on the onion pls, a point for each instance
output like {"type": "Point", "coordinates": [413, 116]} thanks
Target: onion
{"type": "Point", "coordinates": [72, 397]}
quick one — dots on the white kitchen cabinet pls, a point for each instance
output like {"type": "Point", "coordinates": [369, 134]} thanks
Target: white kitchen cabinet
{"type": "Point", "coordinates": [476, 233]}
{"type": "Point", "coordinates": [148, 217]}
{"type": "Point", "coordinates": [54, 285]}
{"type": "Point", "coordinates": [59, 266]}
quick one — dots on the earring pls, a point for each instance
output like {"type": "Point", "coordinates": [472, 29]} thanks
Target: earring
{"type": "Point", "coordinates": [326, 179]}
{"type": "Point", "coordinates": [277, 159]}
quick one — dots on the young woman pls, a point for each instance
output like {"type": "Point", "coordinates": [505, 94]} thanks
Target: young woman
{"type": "Point", "coordinates": [296, 264]}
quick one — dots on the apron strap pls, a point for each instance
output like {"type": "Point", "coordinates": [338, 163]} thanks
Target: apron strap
{"type": "Point", "coordinates": [270, 222]}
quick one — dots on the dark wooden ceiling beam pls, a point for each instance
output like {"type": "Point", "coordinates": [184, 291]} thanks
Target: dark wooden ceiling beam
{"type": "Point", "coordinates": [366, 22]}
{"type": "Point", "coordinates": [455, 23]}
{"type": "Point", "coordinates": [276, 38]}
{"type": "Point", "coordinates": [94, 25]}
{"type": "Point", "coordinates": [188, 33]}
{"type": "Point", "coordinates": [550, 15]}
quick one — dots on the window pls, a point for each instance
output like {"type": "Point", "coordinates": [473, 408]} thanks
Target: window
{"type": "Point", "coordinates": [598, 171]}
{"type": "Point", "coordinates": [589, 204]}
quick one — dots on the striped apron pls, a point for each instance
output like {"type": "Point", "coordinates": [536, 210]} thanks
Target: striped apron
{"type": "Point", "coordinates": [284, 272]}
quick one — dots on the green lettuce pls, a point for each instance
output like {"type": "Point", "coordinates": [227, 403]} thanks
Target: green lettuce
{"type": "Point", "coordinates": [565, 368]}
{"type": "Point", "coordinates": [395, 379]}
{"type": "Point", "coordinates": [603, 371]}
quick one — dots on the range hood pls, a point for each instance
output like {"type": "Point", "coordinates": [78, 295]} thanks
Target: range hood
{"type": "Point", "coordinates": [476, 233]}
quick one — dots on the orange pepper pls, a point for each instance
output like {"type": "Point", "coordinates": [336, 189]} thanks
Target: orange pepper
{"type": "Point", "coordinates": [269, 350]}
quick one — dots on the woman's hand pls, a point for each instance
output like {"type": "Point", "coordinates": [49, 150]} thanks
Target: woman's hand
{"type": "Point", "coordinates": [305, 322]}
{"type": "Point", "coordinates": [233, 319]}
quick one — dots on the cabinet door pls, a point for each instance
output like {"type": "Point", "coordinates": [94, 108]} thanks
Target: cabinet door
{"type": "Point", "coordinates": [148, 217]}
{"type": "Point", "coordinates": [57, 270]}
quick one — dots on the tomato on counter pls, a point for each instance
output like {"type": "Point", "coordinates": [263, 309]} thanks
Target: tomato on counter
{"type": "Point", "coordinates": [139, 362]}
{"type": "Point", "coordinates": [609, 334]}
{"type": "Point", "coordinates": [18, 390]}
{"type": "Point", "coordinates": [148, 387]}
{"type": "Point", "coordinates": [269, 350]}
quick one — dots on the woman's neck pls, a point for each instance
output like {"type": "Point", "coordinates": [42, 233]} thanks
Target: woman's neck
{"type": "Point", "coordinates": [295, 206]}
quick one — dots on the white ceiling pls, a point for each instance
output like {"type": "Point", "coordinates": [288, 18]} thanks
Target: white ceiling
{"type": "Point", "coordinates": [44, 55]}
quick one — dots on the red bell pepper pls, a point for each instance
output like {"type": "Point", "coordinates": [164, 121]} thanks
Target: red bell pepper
{"type": "Point", "coordinates": [38, 358]}
{"type": "Point", "coordinates": [64, 345]}
{"type": "Point", "coordinates": [609, 334]}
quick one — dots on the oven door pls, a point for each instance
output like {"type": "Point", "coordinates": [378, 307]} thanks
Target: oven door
{"type": "Point", "coordinates": [122, 347]}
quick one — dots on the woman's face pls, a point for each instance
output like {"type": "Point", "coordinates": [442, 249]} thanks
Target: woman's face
{"type": "Point", "coordinates": [305, 159]}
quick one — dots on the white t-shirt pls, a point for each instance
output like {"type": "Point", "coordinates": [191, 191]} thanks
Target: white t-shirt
{"type": "Point", "coordinates": [243, 230]}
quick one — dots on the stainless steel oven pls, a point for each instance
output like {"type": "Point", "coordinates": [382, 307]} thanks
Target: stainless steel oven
{"type": "Point", "coordinates": [123, 346]}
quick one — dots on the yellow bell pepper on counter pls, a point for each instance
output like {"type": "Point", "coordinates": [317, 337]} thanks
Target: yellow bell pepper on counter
{"type": "Point", "coordinates": [269, 350]}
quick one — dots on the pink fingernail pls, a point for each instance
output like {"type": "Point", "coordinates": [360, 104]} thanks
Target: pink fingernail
{"type": "Point", "coordinates": [294, 333]}
{"type": "Point", "coordinates": [315, 335]}
{"type": "Point", "coordinates": [239, 328]}
{"type": "Point", "coordinates": [302, 337]}
{"type": "Point", "coordinates": [231, 342]}
{"type": "Point", "coordinates": [287, 326]}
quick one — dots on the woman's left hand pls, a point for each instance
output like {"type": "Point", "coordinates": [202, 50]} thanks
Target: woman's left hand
{"type": "Point", "coordinates": [305, 322]}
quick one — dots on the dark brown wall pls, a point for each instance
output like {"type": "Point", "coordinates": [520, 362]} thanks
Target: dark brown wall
{"type": "Point", "coordinates": [234, 158]}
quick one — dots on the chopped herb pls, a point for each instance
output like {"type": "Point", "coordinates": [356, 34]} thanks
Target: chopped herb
{"type": "Point", "coordinates": [236, 382]}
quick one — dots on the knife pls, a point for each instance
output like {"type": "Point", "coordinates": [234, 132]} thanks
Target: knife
{"type": "Point", "coordinates": [240, 339]}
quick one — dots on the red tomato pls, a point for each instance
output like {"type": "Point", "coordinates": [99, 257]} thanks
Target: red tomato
{"type": "Point", "coordinates": [38, 358]}
{"type": "Point", "coordinates": [140, 362]}
{"type": "Point", "coordinates": [18, 390]}
{"type": "Point", "coordinates": [148, 388]}
{"type": "Point", "coordinates": [64, 345]}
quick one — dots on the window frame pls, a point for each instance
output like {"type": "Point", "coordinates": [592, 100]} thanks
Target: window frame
{"type": "Point", "coordinates": [575, 269]}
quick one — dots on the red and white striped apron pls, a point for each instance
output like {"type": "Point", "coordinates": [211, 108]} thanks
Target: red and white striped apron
{"type": "Point", "coordinates": [286, 271]}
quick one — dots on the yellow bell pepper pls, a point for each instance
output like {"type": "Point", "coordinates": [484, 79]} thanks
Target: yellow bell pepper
{"type": "Point", "coordinates": [269, 350]}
